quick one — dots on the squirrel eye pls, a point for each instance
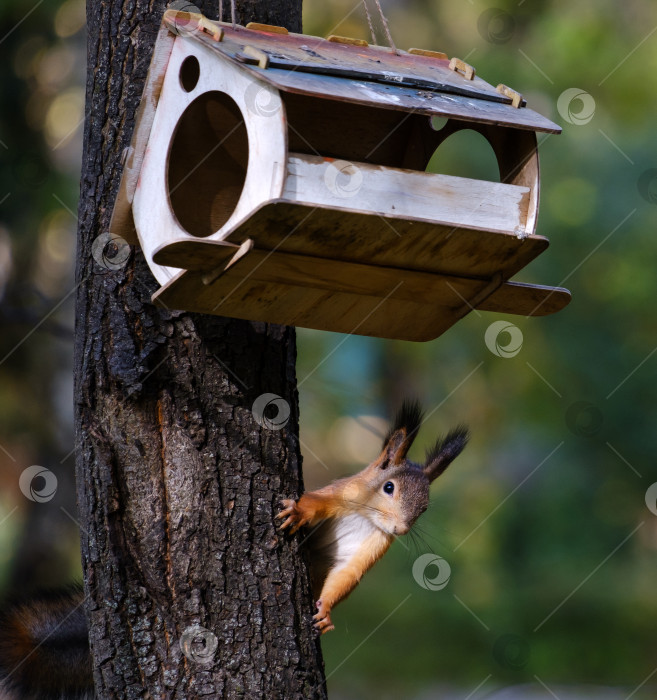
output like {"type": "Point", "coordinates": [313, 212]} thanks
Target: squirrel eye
{"type": "Point", "coordinates": [388, 487]}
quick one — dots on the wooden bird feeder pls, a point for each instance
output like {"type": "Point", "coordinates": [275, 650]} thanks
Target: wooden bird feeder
{"type": "Point", "coordinates": [280, 177]}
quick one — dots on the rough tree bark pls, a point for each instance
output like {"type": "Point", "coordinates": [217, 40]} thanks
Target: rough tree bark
{"type": "Point", "coordinates": [177, 482]}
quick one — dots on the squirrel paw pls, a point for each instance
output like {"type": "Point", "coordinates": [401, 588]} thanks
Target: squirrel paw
{"type": "Point", "coordinates": [323, 618]}
{"type": "Point", "coordinates": [293, 517]}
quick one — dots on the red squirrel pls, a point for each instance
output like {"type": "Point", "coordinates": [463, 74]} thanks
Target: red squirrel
{"type": "Point", "coordinates": [355, 520]}
{"type": "Point", "coordinates": [44, 652]}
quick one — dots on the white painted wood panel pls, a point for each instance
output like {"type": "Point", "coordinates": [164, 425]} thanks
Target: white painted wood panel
{"type": "Point", "coordinates": [406, 194]}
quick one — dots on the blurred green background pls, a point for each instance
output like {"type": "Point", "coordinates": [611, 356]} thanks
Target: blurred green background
{"type": "Point", "coordinates": [546, 521]}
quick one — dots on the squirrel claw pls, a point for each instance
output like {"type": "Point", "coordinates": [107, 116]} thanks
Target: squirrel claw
{"type": "Point", "coordinates": [293, 518]}
{"type": "Point", "coordinates": [322, 618]}
{"type": "Point", "coordinates": [285, 524]}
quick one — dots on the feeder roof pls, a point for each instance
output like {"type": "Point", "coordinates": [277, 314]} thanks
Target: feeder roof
{"type": "Point", "coordinates": [355, 72]}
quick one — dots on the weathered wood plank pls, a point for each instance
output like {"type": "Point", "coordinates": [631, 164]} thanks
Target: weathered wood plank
{"type": "Point", "coordinates": [477, 103]}
{"type": "Point", "coordinates": [236, 296]}
{"type": "Point", "coordinates": [406, 194]}
{"type": "Point", "coordinates": [122, 222]}
{"type": "Point", "coordinates": [346, 297]}
{"type": "Point", "coordinates": [526, 299]}
{"type": "Point", "coordinates": [375, 240]}
{"type": "Point", "coordinates": [195, 176]}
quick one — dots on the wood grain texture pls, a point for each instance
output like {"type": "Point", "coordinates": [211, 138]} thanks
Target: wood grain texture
{"type": "Point", "coordinates": [198, 175]}
{"type": "Point", "coordinates": [349, 57]}
{"type": "Point", "coordinates": [307, 306]}
{"type": "Point", "coordinates": [347, 297]}
{"type": "Point", "coordinates": [396, 193]}
{"type": "Point", "coordinates": [177, 483]}
{"type": "Point", "coordinates": [371, 239]}
{"type": "Point", "coordinates": [122, 222]}
{"type": "Point", "coordinates": [354, 278]}
{"type": "Point", "coordinates": [478, 101]}
{"type": "Point", "coordinates": [526, 299]}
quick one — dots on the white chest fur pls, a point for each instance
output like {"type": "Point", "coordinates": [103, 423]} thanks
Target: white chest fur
{"type": "Point", "coordinates": [347, 535]}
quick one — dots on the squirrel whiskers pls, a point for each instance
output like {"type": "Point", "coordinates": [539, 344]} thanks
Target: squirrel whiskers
{"type": "Point", "coordinates": [356, 519]}
{"type": "Point", "coordinates": [44, 650]}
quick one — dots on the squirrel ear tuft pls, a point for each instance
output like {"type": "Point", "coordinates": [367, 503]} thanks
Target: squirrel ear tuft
{"type": "Point", "coordinates": [402, 433]}
{"type": "Point", "coordinates": [445, 451]}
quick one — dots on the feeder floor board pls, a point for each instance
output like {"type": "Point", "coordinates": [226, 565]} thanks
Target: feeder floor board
{"type": "Point", "coordinates": [311, 281]}
{"type": "Point", "coordinates": [367, 239]}
{"type": "Point", "coordinates": [296, 290]}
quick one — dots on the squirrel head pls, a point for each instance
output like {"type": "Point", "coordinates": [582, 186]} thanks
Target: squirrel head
{"type": "Point", "coordinates": [393, 490]}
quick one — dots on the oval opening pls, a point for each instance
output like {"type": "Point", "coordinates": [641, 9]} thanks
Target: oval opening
{"type": "Point", "coordinates": [190, 72]}
{"type": "Point", "coordinates": [207, 163]}
{"type": "Point", "coordinates": [465, 154]}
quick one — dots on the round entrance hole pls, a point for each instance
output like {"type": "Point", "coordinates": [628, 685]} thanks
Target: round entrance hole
{"type": "Point", "coordinates": [190, 72]}
{"type": "Point", "coordinates": [207, 163]}
{"type": "Point", "coordinates": [466, 153]}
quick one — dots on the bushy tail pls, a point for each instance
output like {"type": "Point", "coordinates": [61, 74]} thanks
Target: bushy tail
{"type": "Point", "coordinates": [44, 649]}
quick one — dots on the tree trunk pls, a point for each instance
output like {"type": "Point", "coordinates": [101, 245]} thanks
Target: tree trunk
{"type": "Point", "coordinates": [191, 591]}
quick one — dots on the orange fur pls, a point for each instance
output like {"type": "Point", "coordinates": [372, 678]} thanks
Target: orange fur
{"type": "Point", "coordinates": [355, 520]}
{"type": "Point", "coordinates": [340, 582]}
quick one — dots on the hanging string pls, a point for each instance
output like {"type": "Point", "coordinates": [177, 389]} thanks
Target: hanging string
{"type": "Point", "coordinates": [384, 21]}
{"type": "Point", "coordinates": [369, 22]}
{"type": "Point", "coordinates": [232, 11]}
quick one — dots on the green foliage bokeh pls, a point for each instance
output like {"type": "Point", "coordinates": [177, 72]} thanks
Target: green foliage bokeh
{"type": "Point", "coordinates": [543, 520]}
